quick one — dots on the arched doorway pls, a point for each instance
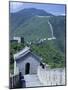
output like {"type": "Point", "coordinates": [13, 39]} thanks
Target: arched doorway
{"type": "Point", "coordinates": [27, 68]}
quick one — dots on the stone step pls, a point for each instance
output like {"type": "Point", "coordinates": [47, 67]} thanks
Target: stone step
{"type": "Point", "coordinates": [32, 80]}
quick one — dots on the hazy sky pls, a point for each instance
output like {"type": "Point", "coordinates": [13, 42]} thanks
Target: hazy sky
{"type": "Point", "coordinates": [51, 8]}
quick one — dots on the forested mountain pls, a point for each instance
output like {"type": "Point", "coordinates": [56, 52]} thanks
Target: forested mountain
{"type": "Point", "coordinates": [35, 24]}
{"type": "Point", "coordinates": [18, 18]}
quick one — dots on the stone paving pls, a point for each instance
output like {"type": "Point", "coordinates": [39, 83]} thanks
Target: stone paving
{"type": "Point", "coordinates": [32, 80]}
{"type": "Point", "coordinates": [45, 77]}
{"type": "Point", "coordinates": [50, 77]}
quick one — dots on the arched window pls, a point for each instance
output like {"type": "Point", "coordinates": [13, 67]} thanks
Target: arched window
{"type": "Point", "coordinates": [27, 68]}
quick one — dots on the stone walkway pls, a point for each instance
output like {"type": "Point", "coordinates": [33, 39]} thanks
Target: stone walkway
{"type": "Point", "coordinates": [48, 77]}
{"type": "Point", "coordinates": [32, 80]}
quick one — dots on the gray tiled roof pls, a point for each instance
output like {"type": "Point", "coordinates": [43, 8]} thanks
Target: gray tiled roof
{"type": "Point", "coordinates": [25, 52]}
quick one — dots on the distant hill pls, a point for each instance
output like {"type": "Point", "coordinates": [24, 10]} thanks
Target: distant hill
{"type": "Point", "coordinates": [18, 18]}
{"type": "Point", "coordinates": [32, 24]}
{"type": "Point", "coordinates": [34, 29]}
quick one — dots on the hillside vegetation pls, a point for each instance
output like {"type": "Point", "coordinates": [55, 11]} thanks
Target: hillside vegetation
{"type": "Point", "coordinates": [33, 26]}
{"type": "Point", "coordinates": [34, 29]}
{"type": "Point", "coordinates": [49, 54]}
{"type": "Point", "coordinates": [59, 29]}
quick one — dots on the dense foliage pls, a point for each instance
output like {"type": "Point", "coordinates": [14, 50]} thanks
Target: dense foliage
{"type": "Point", "coordinates": [50, 55]}
{"type": "Point", "coordinates": [29, 25]}
{"type": "Point", "coordinates": [26, 23]}
{"type": "Point", "coordinates": [14, 48]}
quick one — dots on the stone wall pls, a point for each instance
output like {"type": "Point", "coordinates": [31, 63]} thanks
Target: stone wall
{"type": "Point", "coordinates": [50, 77]}
{"type": "Point", "coordinates": [34, 63]}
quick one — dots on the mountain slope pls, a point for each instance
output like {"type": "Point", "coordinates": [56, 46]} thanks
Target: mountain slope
{"type": "Point", "coordinates": [59, 29]}
{"type": "Point", "coordinates": [34, 29]}
{"type": "Point", "coordinates": [33, 25]}
{"type": "Point", "coordinates": [20, 17]}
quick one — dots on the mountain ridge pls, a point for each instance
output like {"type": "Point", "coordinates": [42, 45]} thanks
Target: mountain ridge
{"type": "Point", "coordinates": [24, 24]}
{"type": "Point", "coordinates": [34, 10]}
